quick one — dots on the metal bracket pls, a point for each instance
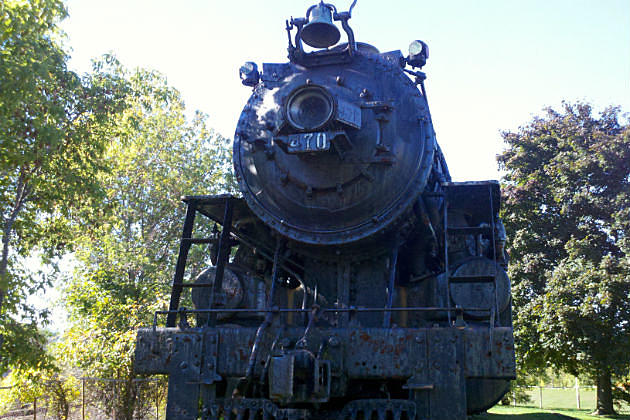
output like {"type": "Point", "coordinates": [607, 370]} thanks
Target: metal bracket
{"type": "Point", "coordinates": [183, 382]}
{"type": "Point", "coordinates": [208, 374]}
{"type": "Point", "coordinates": [321, 382]}
{"type": "Point", "coordinates": [321, 57]}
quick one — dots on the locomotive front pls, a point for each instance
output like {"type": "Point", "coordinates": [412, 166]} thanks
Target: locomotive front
{"type": "Point", "coordinates": [353, 279]}
{"type": "Point", "coordinates": [334, 147]}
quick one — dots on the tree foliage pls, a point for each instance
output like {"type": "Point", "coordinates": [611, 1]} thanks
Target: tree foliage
{"type": "Point", "coordinates": [127, 253]}
{"type": "Point", "coordinates": [44, 384]}
{"type": "Point", "coordinates": [567, 208]}
{"type": "Point", "coordinates": [94, 164]}
{"type": "Point", "coordinates": [54, 126]}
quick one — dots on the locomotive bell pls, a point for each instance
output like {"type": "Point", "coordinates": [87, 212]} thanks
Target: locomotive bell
{"type": "Point", "coordinates": [320, 32]}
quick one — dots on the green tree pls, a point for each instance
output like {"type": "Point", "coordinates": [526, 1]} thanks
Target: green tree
{"type": "Point", "coordinates": [127, 254]}
{"type": "Point", "coordinates": [42, 383]}
{"type": "Point", "coordinates": [53, 130]}
{"type": "Point", "coordinates": [567, 210]}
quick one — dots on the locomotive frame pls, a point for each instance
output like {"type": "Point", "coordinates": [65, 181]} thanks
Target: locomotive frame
{"type": "Point", "coordinates": [435, 343]}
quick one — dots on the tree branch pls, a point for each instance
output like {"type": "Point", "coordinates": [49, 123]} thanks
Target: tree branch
{"type": "Point", "coordinates": [21, 195]}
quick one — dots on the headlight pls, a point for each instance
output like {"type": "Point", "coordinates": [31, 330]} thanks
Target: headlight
{"type": "Point", "coordinates": [309, 108]}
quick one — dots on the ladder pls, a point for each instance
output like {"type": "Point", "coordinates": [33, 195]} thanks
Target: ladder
{"type": "Point", "coordinates": [480, 200]}
{"type": "Point", "coordinates": [220, 209]}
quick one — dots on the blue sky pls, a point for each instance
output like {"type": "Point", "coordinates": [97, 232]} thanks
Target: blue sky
{"type": "Point", "coordinates": [493, 63]}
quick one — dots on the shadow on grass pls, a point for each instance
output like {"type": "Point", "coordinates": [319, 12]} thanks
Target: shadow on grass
{"type": "Point", "coordinates": [524, 416]}
{"type": "Point", "coordinates": [566, 414]}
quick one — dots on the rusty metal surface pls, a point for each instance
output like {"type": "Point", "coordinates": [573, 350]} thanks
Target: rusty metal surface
{"type": "Point", "coordinates": [434, 361]}
{"type": "Point", "coordinates": [377, 353]}
{"type": "Point", "coordinates": [209, 362]}
{"type": "Point", "coordinates": [155, 348]}
{"type": "Point", "coordinates": [183, 361]}
{"type": "Point", "coordinates": [486, 358]}
{"type": "Point", "coordinates": [359, 353]}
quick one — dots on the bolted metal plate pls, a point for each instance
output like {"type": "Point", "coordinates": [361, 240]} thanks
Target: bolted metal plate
{"type": "Point", "coordinates": [154, 349]}
{"type": "Point", "coordinates": [281, 377]}
{"type": "Point", "coordinates": [183, 383]}
{"type": "Point", "coordinates": [485, 359]}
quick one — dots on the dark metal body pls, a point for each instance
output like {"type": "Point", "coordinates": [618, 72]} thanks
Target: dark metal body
{"type": "Point", "coordinates": [353, 279]}
{"type": "Point", "coordinates": [382, 158]}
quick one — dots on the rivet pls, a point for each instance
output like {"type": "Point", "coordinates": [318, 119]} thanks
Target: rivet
{"type": "Point", "coordinates": [183, 365]}
{"type": "Point", "coordinates": [339, 80]}
{"type": "Point", "coordinates": [309, 81]}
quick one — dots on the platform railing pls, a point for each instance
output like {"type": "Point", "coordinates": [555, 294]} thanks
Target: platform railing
{"type": "Point", "coordinates": [183, 312]}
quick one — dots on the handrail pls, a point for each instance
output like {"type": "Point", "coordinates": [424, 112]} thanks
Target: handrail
{"type": "Point", "coordinates": [324, 310]}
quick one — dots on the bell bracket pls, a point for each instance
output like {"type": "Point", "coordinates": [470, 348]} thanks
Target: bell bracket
{"type": "Point", "coordinates": [296, 47]}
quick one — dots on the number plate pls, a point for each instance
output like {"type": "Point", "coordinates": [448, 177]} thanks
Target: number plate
{"type": "Point", "coordinates": [308, 142]}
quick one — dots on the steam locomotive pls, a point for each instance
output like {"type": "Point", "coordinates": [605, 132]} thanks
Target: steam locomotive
{"type": "Point", "coordinates": [353, 278]}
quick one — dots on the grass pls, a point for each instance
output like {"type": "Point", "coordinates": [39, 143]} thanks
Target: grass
{"type": "Point", "coordinates": [562, 398]}
{"type": "Point", "coordinates": [558, 404]}
{"type": "Point", "coordinates": [530, 413]}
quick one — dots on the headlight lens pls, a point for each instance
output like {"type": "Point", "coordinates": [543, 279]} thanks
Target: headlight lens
{"type": "Point", "coordinates": [309, 108]}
